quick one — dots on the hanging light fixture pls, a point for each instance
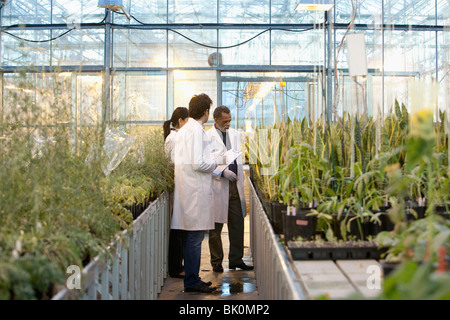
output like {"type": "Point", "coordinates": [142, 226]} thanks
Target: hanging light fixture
{"type": "Point", "coordinates": [113, 5]}
{"type": "Point", "coordinates": [315, 5]}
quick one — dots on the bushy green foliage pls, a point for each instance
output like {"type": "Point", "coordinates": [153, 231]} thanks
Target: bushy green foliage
{"type": "Point", "coordinates": [57, 208]}
{"type": "Point", "coordinates": [413, 281]}
{"type": "Point", "coordinates": [145, 173]}
{"type": "Point", "coordinates": [52, 206]}
{"type": "Point", "coordinates": [419, 241]}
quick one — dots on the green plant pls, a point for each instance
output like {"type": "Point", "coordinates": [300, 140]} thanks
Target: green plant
{"type": "Point", "coordinates": [29, 277]}
{"type": "Point", "coordinates": [303, 177]}
{"type": "Point", "coordinates": [144, 174]}
{"type": "Point", "coordinates": [265, 150]}
{"type": "Point", "coordinates": [413, 281]}
{"type": "Point", "coordinates": [53, 206]}
{"type": "Point", "coordinates": [416, 282]}
{"type": "Point", "coordinates": [419, 241]}
{"type": "Point", "coordinates": [57, 208]}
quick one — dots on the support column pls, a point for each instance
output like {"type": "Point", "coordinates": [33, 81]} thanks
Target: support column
{"type": "Point", "coordinates": [329, 44]}
{"type": "Point", "coordinates": [106, 106]}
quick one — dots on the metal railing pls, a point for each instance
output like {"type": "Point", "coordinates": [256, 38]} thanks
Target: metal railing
{"type": "Point", "coordinates": [136, 265]}
{"type": "Point", "coordinates": [275, 276]}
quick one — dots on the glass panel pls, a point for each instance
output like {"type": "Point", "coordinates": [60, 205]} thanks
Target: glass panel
{"type": "Point", "coordinates": [189, 83]}
{"type": "Point", "coordinates": [263, 98]}
{"type": "Point", "coordinates": [79, 47]}
{"type": "Point", "coordinates": [254, 52]}
{"type": "Point", "coordinates": [367, 11]}
{"type": "Point", "coordinates": [241, 11]}
{"type": "Point", "coordinates": [145, 11]}
{"type": "Point", "coordinates": [20, 12]}
{"type": "Point", "coordinates": [444, 69]}
{"type": "Point", "coordinates": [192, 11]}
{"type": "Point", "coordinates": [16, 52]}
{"type": "Point", "coordinates": [89, 99]}
{"type": "Point", "coordinates": [297, 48]}
{"type": "Point", "coordinates": [395, 88]}
{"type": "Point", "coordinates": [18, 98]}
{"type": "Point", "coordinates": [443, 12]}
{"type": "Point", "coordinates": [294, 94]}
{"type": "Point", "coordinates": [411, 51]}
{"type": "Point", "coordinates": [139, 97]}
{"type": "Point", "coordinates": [375, 96]}
{"type": "Point", "coordinates": [140, 48]}
{"type": "Point", "coordinates": [185, 53]}
{"type": "Point", "coordinates": [37, 98]}
{"type": "Point", "coordinates": [283, 12]}
{"type": "Point", "coordinates": [54, 97]}
{"type": "Point", "coordinates": [77, 11]}
{"type": "Point", "coordinates": [420, 12]}
{"type": "Point", "coordinates": [361, 96]}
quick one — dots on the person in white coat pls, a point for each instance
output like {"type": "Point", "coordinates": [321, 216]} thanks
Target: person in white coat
{"type": "Point", "coordinates": [180, 117]}
{"type": "Point", "coordinates": [192, 208]}
{"type": "Point", "coordinates": [228, 193]}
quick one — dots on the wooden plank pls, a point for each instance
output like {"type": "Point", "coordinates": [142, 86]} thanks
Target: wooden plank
{"type": "Point", "coordinates": [365, 275]}
{"type": "Point", "coordinates": [324, 278]}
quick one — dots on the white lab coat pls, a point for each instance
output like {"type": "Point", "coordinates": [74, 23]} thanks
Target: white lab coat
{"type": "Point", "coordinates": [193, 206]}
{"type": "Point", "coordinates": [221, 186]}
{"type": "Point", "coordinates": [169, 144]}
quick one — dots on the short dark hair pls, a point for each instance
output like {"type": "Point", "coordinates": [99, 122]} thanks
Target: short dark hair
{"type": "Point", "coordinates": [198, 105]}
{"type": "Point", "coordinates": [219, 110]}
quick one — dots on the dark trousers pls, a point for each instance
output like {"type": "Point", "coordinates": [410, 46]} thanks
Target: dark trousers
{"type": "Point", "coordinates": [175, 258]}
{"type": "Point", "coordinates": [175, 252]}
{"type": "Point", "coordinates": [235, 232]}
{"type": "Point", "coordinates": [192, 251]}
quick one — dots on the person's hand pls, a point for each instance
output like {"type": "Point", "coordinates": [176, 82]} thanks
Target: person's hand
{"type": "Point", "coordinates": [230, 175]}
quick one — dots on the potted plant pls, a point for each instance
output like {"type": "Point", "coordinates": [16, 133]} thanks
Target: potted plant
{"type": "Point", "coordinates": [301, 177]}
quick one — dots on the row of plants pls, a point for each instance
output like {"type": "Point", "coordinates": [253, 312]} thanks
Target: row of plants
{"type": "Point", "coordinates": [144, 173]}
{"type": "Point", "coordinates": [358, 178]}
{"type": "Point", "coordinates": [58, 205]}
{"type": "Point", "coordinates": [58, 209]}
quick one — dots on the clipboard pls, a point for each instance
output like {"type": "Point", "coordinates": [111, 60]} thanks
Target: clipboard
{"type": "Point", "coordinates": [231, 155]}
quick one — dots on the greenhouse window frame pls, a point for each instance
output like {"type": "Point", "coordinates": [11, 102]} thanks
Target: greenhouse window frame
{"type": "Point", "coordinates": [328, 26]}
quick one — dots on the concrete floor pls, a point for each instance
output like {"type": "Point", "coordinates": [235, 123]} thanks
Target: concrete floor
{"type": "Point", "coordinates": [231, 284]}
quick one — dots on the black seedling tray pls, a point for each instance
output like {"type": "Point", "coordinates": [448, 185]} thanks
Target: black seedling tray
{"type": "Point", "coordinates": [335, 251]}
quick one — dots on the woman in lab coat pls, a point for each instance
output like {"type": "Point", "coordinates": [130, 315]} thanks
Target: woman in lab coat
{"type": "Point", "coordinates": [193, 207]}
{"type": "Point", "coordinates": [180, 117]}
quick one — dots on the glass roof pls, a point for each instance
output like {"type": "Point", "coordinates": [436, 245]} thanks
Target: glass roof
{"type": "Point", "coordinates": [234, 23]}
{"type": "Point", "coordinates": [173, 42]}
{"type": "Point", "coordinates": [221, 11]}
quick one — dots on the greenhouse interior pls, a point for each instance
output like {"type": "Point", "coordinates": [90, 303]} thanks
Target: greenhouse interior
{"type": "Point", "coordinates": [342, 109]}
